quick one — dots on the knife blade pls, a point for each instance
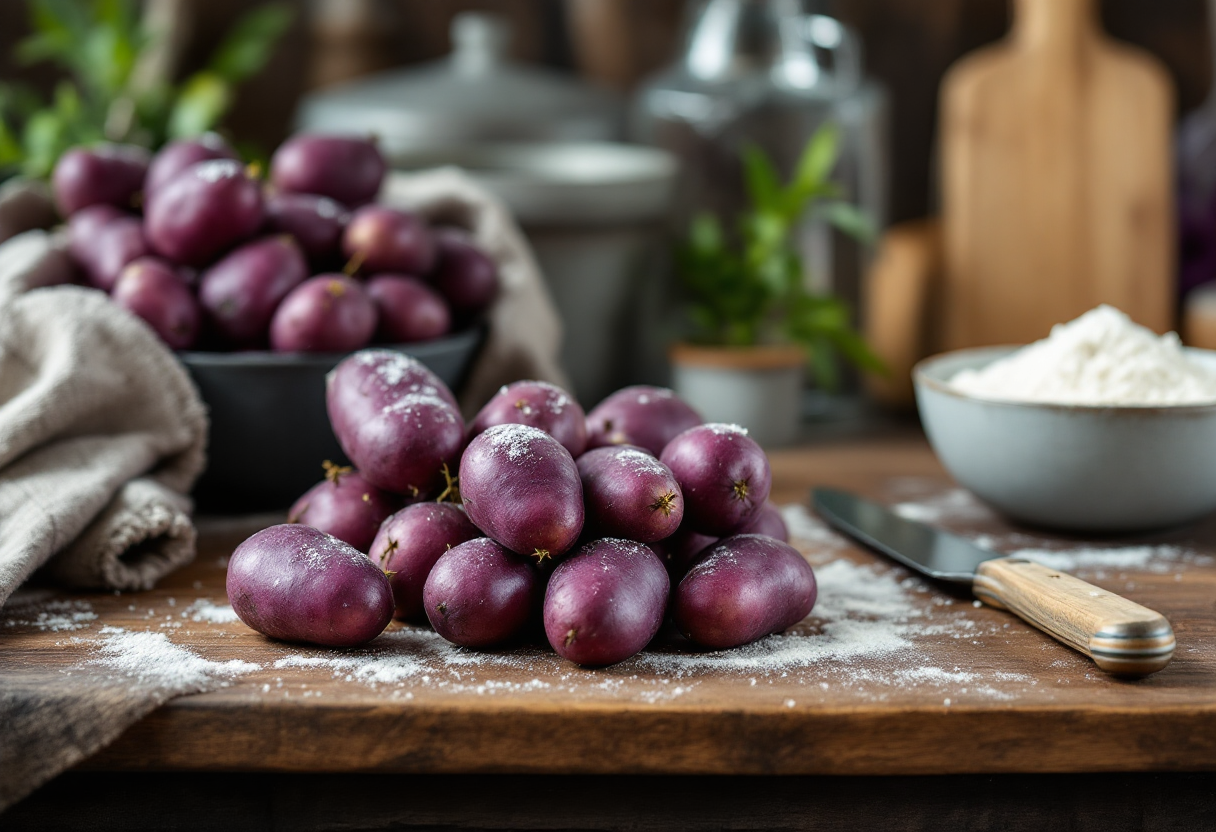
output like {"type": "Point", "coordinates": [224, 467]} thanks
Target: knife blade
{"type": "Point", "coordinates": [1121, 636]}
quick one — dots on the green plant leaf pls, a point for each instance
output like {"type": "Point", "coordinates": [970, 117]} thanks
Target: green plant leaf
{"type": "Point", "coordinates": [818, 158]}
{"type": "Point", "coordinates": [251, 42]}
{"type": "Point", "coordinates": [202, 102]}
{"type": "Point", "coordinates": [850, 219]}
{"type": "Point", "coordinates": [761, 179]}
{"type": "Point", "coordinates": [823, 364]}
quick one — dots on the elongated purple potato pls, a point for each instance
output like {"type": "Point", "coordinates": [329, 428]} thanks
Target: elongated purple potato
{"type": "Point", "coordinates": [243, 289]}
{"type": "Point", "coordinates": [723, 473]}
{"type": "Point", "coordinates": [648, 417]}
{"type": "Point", "coordinates": [605, 602]}
{"type": "Point", "coordinates": [680, 551]}
{"type": "Point", "coordinates": [105, 174]}
{"type": "Point", "coordinates": [464, 275]}
{"type": "Point", "coordinates": [768, 521]}
{"type": "Point", "coordinates": [383, 239]}
{"type": "Point", "coordinates": [326, 313]}
{"type": "Point", "coordinates": [366, 382]}
{"type": "Point", "coordinates": [349, 169]}
{"type": "Point", "coordinates": [521, 487]}
{"type": "Point", "coordinates": [744, 588]}
{"type": "Point", "coordinates": [84, 225]}
{"type": "Point", "coordinates": [345, 505]}
{"type": "Point", "coordinates": [110, 248]}
{"type": "Point", "coordinates": [480, 594]}
{"type": "Point", "coordinates": [153, 290]}
{"type": "Point", "coordinates": [178, 155]}
{"type": "Point", "coordinates": [630, 494]}
{"type": "Point", "coordinates": [541, 405]}
{"type": "Point", "coordinates": [203, 211]}
{"type": "Point", "coordinates": [409, 309]}
{"type": "Point", "coordinates": [316, 223]}
{"type": "Point", "coordinates": [409, 543]}
{"type": "Point", "coordinates": [295, 583]}
{"type": "Point", "coordinates": [407, 445]}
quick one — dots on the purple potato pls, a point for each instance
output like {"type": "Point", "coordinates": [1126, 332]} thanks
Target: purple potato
{"type": "Point", "coordinates": [479, 594]}
{"type": "Point", "coordinates": [115, 244]}
{"type": "Point", "coordinates": [464, 275]}
{"type": "Point", "coordinates": [203, 211]}
{"type": "Point", "coordinates": [724, 475]}
{"type": "Point", "coordinates": [153, 290]}
{"type": "Point", "coordinates": [648, 417]}
{"type": "Point", "coordinates": [680, 551]}
{"type": "Point", "coordinates": [242, 290]}
{"type": "Point", "coordinates": [521, 487]}
{"type": "Point", "coordinates": [326, 313]}
{"type": "Point", "coordinates": [295, 583]}
{"type": "Point", "coordinates": [84, 225]}
{"type": "Point", "coordinates": [541, 405]}
{"type": "Point", "coordinates": [178, 155]}
{"type": "Point", "coordinates": [316, 223]}
{"type": "Point", "coordinates": [105, 174]}
{"type": "Point", "coordinates": [744, 588]}
{"type": "Point", "coordinates": [345, 505]}
{"type": "Point", "coordinates": [409, 543]}
{"type": "Point", "coordinates": [605, 602]}
{"type": "Point", "coordinates": [409, 309]}
{"type": "Point", "coordinates": [382, 239]}
{"type": "Point", "coordinates": [630, 494]}
{"type": "Point", "coordinates": [346, 168]}
{"type": "Point", "coordinates": [768, 522]}
{"type": "Point", "coordinates": [364, 384]}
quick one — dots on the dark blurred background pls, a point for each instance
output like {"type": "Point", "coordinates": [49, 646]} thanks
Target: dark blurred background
{"type": "Point", "coordinates": [908, 46]}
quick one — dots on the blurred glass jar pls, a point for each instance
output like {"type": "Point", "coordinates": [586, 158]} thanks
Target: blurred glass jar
{"type": "Point", "coordinates": [769, 72]}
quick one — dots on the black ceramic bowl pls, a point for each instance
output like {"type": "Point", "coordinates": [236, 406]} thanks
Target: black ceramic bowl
{"type": "Point", "coordinates": [269, 429]}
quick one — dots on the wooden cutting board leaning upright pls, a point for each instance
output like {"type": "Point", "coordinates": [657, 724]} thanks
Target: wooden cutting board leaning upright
{"type": "Point", "coordinates": [1056, 180]}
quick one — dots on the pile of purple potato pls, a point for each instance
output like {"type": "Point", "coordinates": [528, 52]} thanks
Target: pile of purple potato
{"type": "Point", "coordinates": [598, 527]}
{"type": "Point", "coordinates": [211, 257]}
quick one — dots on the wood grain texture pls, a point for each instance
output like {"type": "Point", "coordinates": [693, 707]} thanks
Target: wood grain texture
{"type": "Point", "coordinates": [1056, 178]}
{"type": "Point", "coordinates": [1121, 636]}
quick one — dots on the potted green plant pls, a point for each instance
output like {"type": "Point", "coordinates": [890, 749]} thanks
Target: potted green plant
{"type": "Point", "coordinates": [755, 326]}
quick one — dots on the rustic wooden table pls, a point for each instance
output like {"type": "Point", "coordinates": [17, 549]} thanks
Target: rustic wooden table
{"type": "Point", "coordinates": [889, 677]}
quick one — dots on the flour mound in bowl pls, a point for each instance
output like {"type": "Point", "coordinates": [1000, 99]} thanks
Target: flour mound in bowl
{"type": "Point", "coordinates": [1101, 358]}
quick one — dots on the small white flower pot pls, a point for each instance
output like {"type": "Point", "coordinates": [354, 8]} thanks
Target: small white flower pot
{"type": "Point", "coordinates": [759, 388]}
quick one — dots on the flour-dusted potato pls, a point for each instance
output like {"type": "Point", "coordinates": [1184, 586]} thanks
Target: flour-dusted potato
{"type": "Point", "coordinates": [605, 602]}
{"type": "Point", "coordinates": [723, 474]}
{"type": "Point", "coordinates": [479, 594]}
{"type": "Point", "coordinates": [178, 155]}
{"type": "Point", "coordinates": [648, 417]}
{"type": "Point", "coordinates": [630, 494]}
{"type": "Point", "coordinates": [295, 583]}
{"type": "Point", "coordinates": [203, 211]}
{"type": "Point", "coordinates": [345, 505]}
{"type": "Point", "coordinates": [541, 405]}
{"type": "Point", "coordinates": [742, 589]}
{"type": "Point", "coordinates": [521, 487]}
{"type": "Point", "coordinates": [680, 551]}
{"type": "Point", "coordinates": [408, 544]}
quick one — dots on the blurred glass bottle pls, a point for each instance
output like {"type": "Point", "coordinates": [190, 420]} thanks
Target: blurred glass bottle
{"type": "Point", "coordinates": [769, 72]}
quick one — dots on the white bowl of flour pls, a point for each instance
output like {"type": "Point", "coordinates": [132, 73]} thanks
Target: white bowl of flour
{"type": "Point", "coordinates": [1103, 426]}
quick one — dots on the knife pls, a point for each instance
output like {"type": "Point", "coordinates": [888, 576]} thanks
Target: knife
{"type": "Point", "coordinates": [1122, 637]}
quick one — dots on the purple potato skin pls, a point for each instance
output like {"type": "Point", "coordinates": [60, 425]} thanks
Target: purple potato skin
{"type": "Point", "coordinates": [768, 521]}
{"type": "Point", "coordinates": [648, 417]}
{"type": "Point", "coordinates": [605, 602]}
{"type": "Point", "coordinates": [464, 275]}
{"type": "Point", "coordinates": [106, 174]}
{"type": "Point", "coordinates": [326, 313]}
{"type": "Point", "coordinates": [348, 169]}
{"type": "Point", "coordinates": [521, 487]}
{"type": "Point", "coordinates": [680, 551]}
{"type": "Point", "coordinates": [203, 211]}
{"type": "Point", "coordinates": [178, 155]}
{"type": "Point", "coordinates": [84, 225]}
{"type": "Point", "coordinates": [152, 289]}
{"type": "Point", "coordinates": [409, 543]}
{"type": "Point", "coordinates": [345, 505]}
{"type": "Point", "coordinates": [243, 289]}
{"type": "Point", "coordinates": [104, 254]}
{"type": "Point", "coordinates": [480, 594]}
{"type": "Point", "coordinates": [409, 309]}
{"type": "Point", "coordinates": [405, 447]}
{"type": "Point", "coordinates": [541, 405]}
{"type": "Point", "coordinates": [724, 475]}
{"type": "Point", "coordinates": [316, 223]}
{"type": "Point", "coordinates": [744, 588]}
{"type": "Point", "coordinates": [295, 583]}
{"type": "Point", "coordinates": [383, 239]}
{"type": "Point", "coordinates": [630, 494]}
{"type": "Point", "coordinates": [363, 384]}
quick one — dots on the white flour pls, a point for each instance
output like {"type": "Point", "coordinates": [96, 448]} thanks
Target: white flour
{"type": "Point", "coordinates": [151, 659]}
{"type": "Point", "coordinates": [1101, 358]}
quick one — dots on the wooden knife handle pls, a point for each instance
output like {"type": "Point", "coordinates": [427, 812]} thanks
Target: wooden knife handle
{"type": "Point", "coordinates": [1121, 636]}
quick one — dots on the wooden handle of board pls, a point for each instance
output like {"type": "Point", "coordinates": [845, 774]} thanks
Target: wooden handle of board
{"type": "Point", "coordinates": [1121, 636]}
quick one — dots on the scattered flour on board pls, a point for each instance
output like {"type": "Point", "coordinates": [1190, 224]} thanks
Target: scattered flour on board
{"type": "Point", "coordinates": [151, 659]}
{"type": "Point", "coordinates": [48, 615]}
{"type": "Point", "coordinates": [204, 610]}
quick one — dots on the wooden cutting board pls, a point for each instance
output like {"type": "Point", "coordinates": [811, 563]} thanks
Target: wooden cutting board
{"type": "Point", "coordinates": [1056, 180]}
